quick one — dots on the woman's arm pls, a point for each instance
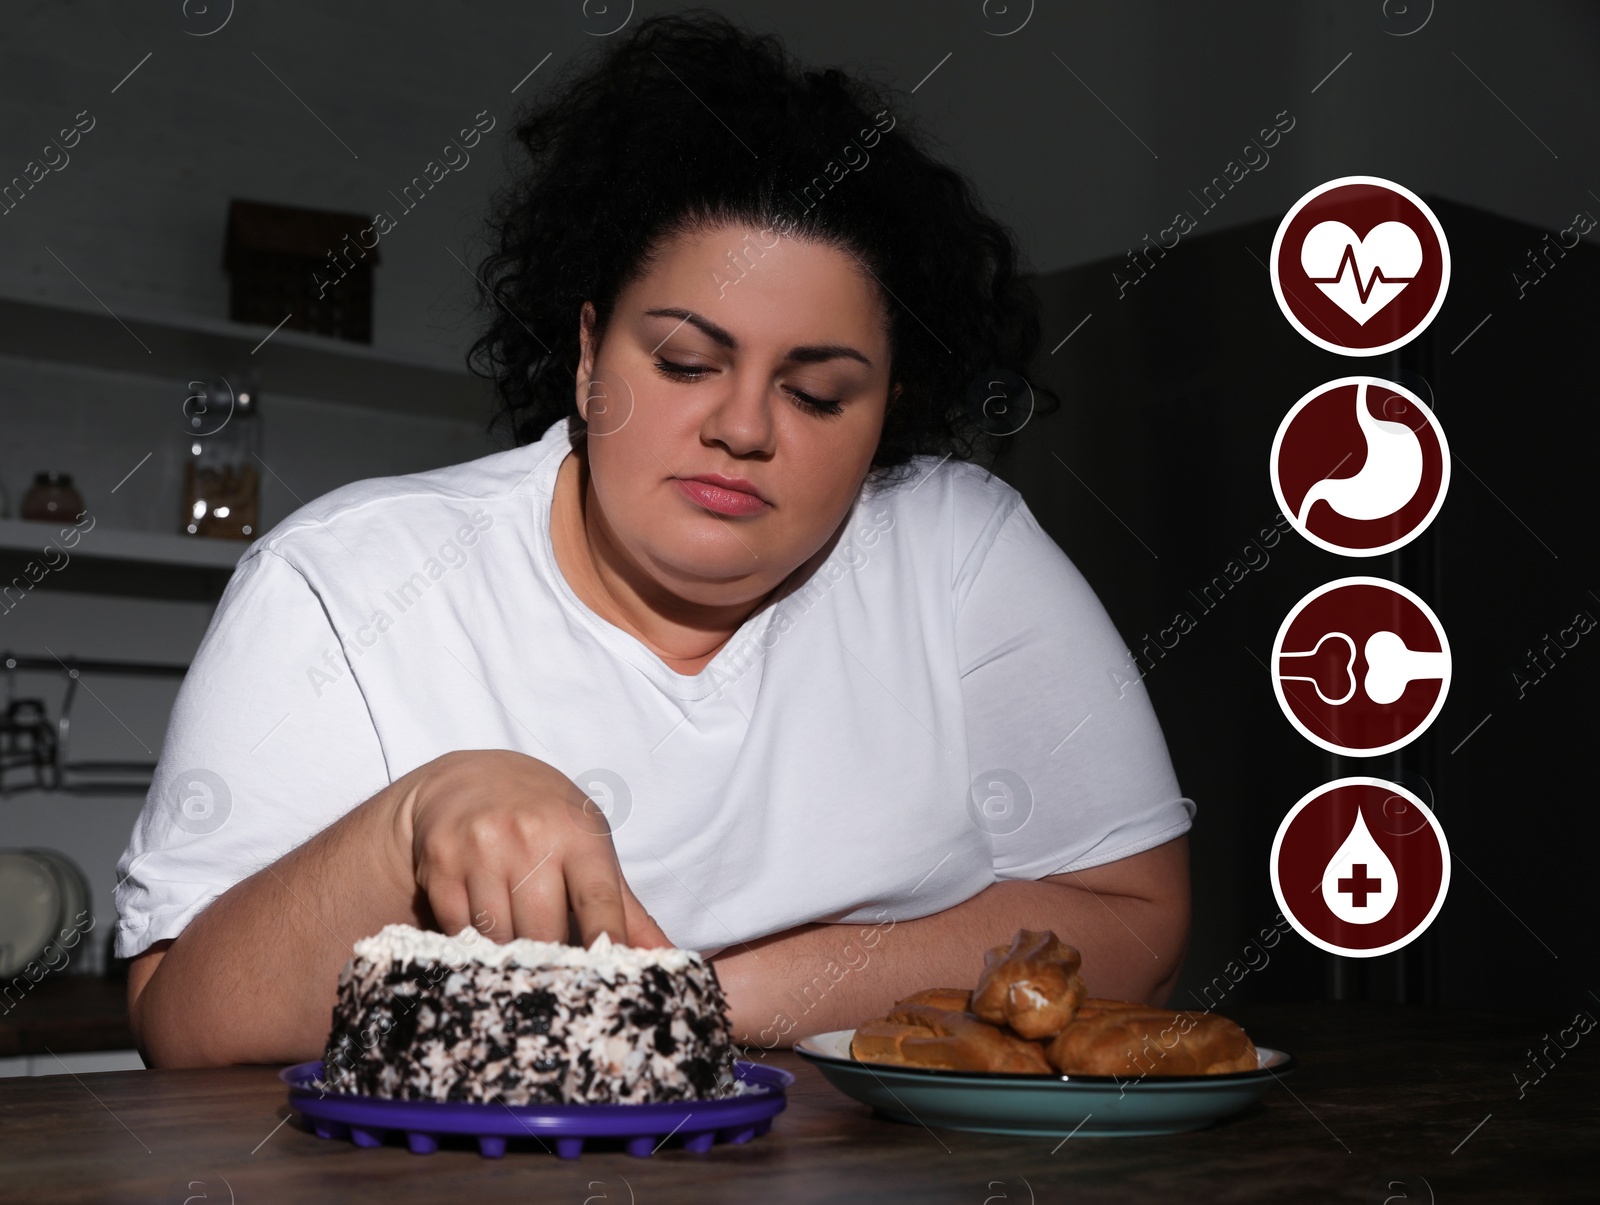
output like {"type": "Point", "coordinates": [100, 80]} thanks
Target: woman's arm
{"type": "Point", "coordinates": [252, 978]}
{"type": "Point", "coordinates": [486, 837]}
{"type": "Point", "coordinates": [1129, 919]}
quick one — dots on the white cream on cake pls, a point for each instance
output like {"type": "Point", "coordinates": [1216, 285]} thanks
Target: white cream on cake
{"type": "Point", "coordinates": [406, 943]}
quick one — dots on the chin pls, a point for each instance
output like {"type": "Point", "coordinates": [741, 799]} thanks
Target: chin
{"type": "Point", "coordinates": [701, 573]}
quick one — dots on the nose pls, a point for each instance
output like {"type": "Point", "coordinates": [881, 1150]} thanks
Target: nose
{"type": "Point", "coordinates": [742, 418]}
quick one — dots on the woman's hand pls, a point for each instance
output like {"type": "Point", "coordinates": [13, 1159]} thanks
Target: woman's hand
{"type": "Point", "coordinates": [491, 838]}
{"type": "Point", "coordinates": [508, 844]}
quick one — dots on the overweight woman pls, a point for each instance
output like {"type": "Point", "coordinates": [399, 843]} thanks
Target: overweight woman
{"type": "Point", "coordinates": [735, 647]}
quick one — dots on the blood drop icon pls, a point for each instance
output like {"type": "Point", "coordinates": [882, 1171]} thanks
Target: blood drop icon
{"type": "Point", "coordinates": [1360, 867]}
{"type": "Point", "coordinates": [1359, 884]}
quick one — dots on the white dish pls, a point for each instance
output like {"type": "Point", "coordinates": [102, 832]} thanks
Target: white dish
{"type": "Point", "coordinates": [1058, 1105]}
{"type": "Point", "coordinates": [74, 888]}
{"type": "Point", "coordinates": [30, 903]}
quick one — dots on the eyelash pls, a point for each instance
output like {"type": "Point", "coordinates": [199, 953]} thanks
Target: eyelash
{"type": "Point", "coordinates": [687, 372]}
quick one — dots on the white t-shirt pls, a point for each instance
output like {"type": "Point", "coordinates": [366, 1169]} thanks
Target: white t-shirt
{"type": "Point", "coordinates": [933, 709]}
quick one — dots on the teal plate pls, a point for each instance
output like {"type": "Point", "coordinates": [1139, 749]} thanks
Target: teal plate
{"type": "Point", "coordinates": [1036, 1105]}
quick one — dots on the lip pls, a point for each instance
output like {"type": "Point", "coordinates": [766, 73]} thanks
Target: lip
{"type": "Point", "coordinates": [724, 495]}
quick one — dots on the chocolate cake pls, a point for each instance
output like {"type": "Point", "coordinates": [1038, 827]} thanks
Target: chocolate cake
{"type": "Point", "coordinates": [424, 1016]}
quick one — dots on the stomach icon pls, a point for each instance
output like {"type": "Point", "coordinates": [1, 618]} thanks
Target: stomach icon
{"type": "Point", "coordinates": [1389, 478]}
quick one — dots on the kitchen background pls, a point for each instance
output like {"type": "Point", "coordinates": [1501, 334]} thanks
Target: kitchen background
{"type": "Point", "coordinates": [113, 299]}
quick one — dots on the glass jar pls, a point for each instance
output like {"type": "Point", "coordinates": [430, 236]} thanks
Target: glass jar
{"type": "Point", "coordinates": [221, 483]}
{"type": "Point", "coordinates": [52, 498]}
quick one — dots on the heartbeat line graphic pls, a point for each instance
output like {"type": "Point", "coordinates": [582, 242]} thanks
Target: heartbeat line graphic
{"type": "Point", "coordinates": [1373, 277]}
{"type": "Point", "coordinates": [1392, 250]}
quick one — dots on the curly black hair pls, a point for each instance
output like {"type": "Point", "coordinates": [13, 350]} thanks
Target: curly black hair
{"type": "Point", "coordinates": [691, 122]}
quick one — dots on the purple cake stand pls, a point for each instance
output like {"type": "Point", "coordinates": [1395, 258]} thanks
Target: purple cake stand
{"type": "Point", "coordinates": [367, 1120]}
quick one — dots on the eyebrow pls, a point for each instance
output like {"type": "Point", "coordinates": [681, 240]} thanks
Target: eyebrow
{"type": "Point", "coordinates": [812, 353]}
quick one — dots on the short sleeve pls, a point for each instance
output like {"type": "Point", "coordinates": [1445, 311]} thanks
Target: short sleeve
{"type": "Point", "coordinates": [269, 741]}
{"type": "Point", "coordinates": [1069, 767]}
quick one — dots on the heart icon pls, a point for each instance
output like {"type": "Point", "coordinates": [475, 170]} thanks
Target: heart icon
{"type": "Point", "coordinates": [1380, 265]}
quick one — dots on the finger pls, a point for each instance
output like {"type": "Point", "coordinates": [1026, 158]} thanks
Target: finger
{"type": "Point", "coordinates": [643, 930]}
{"type": "Point", "coordinates": [539, 903]}
{"type": "Point", "coordinates": [489, 898]}
{"type": "Point", "coordinates": [448, 900]}
{"type": "Point", "coordinates": [594, 887]}
{"type": "Point", "coordinates": [647, 933]}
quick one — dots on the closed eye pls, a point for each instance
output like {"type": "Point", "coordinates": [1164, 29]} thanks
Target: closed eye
{"type": "Point", "coordinates": [694, 372]}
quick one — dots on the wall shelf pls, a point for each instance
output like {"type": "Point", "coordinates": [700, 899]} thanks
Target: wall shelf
{"type": "Point", "coordinates": [292, 363]}
{"type": "Point", "coordinates": [108, 560]}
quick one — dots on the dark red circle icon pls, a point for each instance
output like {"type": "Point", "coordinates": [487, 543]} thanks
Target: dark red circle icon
{"type": "Point", "coordinates": [1360, 466]}
{"type": "Point", "coordinates": [1360, 265]}
{"type": "Point", "coordinates": [1360, 867]}
{"type": "Point", "coordinates": [1361, 666]}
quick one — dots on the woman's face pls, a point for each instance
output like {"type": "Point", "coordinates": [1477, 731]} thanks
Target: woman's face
{"type": "Point", "coordinates": [706, 368]}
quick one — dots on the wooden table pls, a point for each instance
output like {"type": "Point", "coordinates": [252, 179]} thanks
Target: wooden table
{"type": "Point", "coordinates": [1390, 1104]}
